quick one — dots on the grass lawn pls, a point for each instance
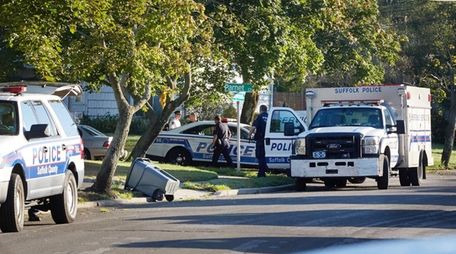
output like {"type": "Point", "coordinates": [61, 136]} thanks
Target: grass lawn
{"type": "Point", "coordinates": [437, 155]}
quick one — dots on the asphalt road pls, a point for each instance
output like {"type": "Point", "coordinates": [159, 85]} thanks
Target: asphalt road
{"type": "Point", "coordinates": [284, 222]}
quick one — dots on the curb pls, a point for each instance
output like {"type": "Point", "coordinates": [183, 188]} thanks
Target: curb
{"type": "Point", "coordinates": [245, 191]}
{"type": "Point", "coordinates": [223, 193]}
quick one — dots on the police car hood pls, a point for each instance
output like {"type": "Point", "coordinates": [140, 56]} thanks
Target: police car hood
{"type": "Point", "coordinates": [363, 130]}
{"type": "Point", "coordinates": [9, 144]}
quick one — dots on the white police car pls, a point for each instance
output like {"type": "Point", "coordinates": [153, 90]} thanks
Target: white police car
{"type": "Point", "coordinates": [193, 143]}
{"type": "Point", "coordinates": [41, 157]}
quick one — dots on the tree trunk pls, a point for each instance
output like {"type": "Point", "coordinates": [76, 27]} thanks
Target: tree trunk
{"type": "Point", "coordinates": [248, 109]}
{"type": "Point", "coordinates": [156, 126]}
{"type": "Point", "coordinates": [103, 182]}
{"type": "Point", "coordinates": [449, 133]}
{"type": "Point", "coordinates": [156, 123]}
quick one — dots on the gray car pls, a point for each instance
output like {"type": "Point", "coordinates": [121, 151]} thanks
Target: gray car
{"type": "Point", "coordinates": [96, 143]}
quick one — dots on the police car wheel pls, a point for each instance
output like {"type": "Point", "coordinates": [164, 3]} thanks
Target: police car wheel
{"type": "Point", "coordinates": [12, 211]}
{"type": "Point", "coordinates": [64, 206]}
{"type": "Point", "coordinates": [178, 156]}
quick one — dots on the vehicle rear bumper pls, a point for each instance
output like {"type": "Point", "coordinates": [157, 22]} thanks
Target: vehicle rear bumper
{"type": "Point", "coordinates": [335, 168]}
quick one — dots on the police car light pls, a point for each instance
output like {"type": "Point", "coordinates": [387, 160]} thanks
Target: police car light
{"type": "Point", "coordinates": [15, 89]}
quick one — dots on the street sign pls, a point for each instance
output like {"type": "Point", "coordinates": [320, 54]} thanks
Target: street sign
{"type": "Point", "coordinates": [238, 96]}
{"type": "Point", "coordinates": [238, 87]}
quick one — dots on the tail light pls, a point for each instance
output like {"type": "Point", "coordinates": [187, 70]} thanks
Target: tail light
{"type": "Point", "coordinates": [107, 144]}
{"type": "Point", "coordinates": [82, 148]}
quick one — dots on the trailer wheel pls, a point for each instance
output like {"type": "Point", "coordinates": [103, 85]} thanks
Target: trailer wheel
{"type": "Point", "coordinates": [300, 184]}
{"type": "Point", "coordinates": [12, 211]}
{"type": "Point", "coordinates": [404, 177]}
{"type": "Point", "coordinates": [382, 181]}
{"type": "Point", "coordinates": [416, 174]}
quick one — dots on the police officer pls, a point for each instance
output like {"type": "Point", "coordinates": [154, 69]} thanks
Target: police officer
{"type": "Point", "coordinates": [175, 121]}
{"type": "Point", "coordinates": [259, 128]}
{"type": "Point", "coordinates": [221, 142]}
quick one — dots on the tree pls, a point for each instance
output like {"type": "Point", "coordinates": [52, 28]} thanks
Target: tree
{"type": "Point", "coordinates": [134, 46]}
{"type": "Point", "coordinates": [431, 51]}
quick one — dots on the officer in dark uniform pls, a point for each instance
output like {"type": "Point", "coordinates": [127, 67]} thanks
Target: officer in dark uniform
{"type": "Point", "coordinates": [259, 128]}
{"type": "Point", "coordinates": [221, 142]}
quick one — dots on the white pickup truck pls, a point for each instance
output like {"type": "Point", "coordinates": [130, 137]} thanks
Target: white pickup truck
{"type": "Point", "coordinates": [359, 132]}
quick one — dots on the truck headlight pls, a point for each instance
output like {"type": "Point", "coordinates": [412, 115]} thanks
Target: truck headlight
{"type": "Point", "coordinates": [371, 145]}
{"type": "Point", "coordinates": [300, 146]}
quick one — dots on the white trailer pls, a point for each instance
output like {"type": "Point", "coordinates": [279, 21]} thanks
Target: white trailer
{"type": "Point", "coordinates": [369, 131]}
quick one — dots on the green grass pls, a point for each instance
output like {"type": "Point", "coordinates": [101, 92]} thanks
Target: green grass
{"type": "Point", "coordinates": [437, 155]}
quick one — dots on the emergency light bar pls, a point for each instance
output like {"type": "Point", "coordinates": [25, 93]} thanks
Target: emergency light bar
{"type": "Point", "coordinates": [327, 103]}
{"type": "Point", "coordinates": [17, 89]}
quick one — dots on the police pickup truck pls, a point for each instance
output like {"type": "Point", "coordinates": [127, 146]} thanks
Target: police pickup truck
{"type": "Point", "coordinates": [41, 156]}
{"type": "Point", "coordinates": [359, 132]}
{"type": "Point", "coordinates": [193, 142]}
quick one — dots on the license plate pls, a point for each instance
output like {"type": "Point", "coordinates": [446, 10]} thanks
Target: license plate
{"type": "Point", "coordinates": [319, 155]}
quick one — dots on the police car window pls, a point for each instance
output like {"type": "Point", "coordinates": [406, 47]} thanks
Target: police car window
{"type": "Point", "coordinates": [8, 118]}
{"type": "Point", "coordinates": [69, 127]}
{"type": "Point", "coordinates": [28, 115]}
{"type": "Point", "coordinates": [43, 117]}
{"type": "Point", "coordinates": [280, 117]}
{"type": "Point", "coordinates": [244, 134]}
{"type": "Point", "coordinates": [202, 130]}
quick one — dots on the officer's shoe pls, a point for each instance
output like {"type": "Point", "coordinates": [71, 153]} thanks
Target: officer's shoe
{"type": "Point", "coordinates": [33, 214]}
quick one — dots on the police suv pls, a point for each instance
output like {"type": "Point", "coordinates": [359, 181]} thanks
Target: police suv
{"type": "Point", "coordinates": [41, 157]}
{"type": "Point", "coordinates": [193, 142]}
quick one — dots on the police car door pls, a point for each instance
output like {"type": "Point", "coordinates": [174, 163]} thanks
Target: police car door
{"type": "Point", "coordinates": [278, 147]}
{"type": "Point", "coordinates": [43, 156]}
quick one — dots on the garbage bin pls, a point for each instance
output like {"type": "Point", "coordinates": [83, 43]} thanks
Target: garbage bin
{"type": "Point", "coordinates": [151, 180]}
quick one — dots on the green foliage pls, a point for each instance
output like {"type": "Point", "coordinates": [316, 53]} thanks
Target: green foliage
{"type": "Point", "coordinates": [107, 124]}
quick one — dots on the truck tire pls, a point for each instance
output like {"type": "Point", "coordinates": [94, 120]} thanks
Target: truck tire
{"type": "Point", "coordinates": [382, 181]}
{"type": "Point", "coordinates": [300, 184]}
{"type": "Point", "coordinates": [404, 177]}
{"type": "Point", "coordinates": [416, 174]}
{"type": "Point", "coordinates": [341, 183]}
{"type": "Point", "coordinates": [329, 184]}
{"type": "Point", "coordinates": [12, 211]}
{"type": "Point", "coordinates": [64, 206]}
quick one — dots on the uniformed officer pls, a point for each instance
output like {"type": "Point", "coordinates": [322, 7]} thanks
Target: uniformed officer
{"type": "Point", "coordinates": [259, 128]}
{"type": "Point", "coordinates": [221, 142]}
{"type": "Point", "coordinates": [175, 121]}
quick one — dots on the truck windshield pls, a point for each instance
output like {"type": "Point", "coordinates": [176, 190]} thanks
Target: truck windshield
{"type": "Point", "coordinates": [329, 117]}
{"type": "Point", "coordinates": [8, 118]}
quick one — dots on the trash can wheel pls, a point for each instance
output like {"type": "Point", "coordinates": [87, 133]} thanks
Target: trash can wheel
{"type": "Point", "coordinates": [158, 195]}
{"type": "Point", "coordinates": [169, 198]}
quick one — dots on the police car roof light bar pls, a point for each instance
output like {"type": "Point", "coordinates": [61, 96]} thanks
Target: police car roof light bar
{"type": "Point", "coordinates": [15, 89]}
{"type": "Point", "coordinates": [328, 103]}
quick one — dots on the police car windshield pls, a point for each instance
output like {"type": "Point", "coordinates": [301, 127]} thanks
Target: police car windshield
{"type": "Point", "coordinates": [8, 118]}
{"type": "Point", "coordinates": [350, 116]}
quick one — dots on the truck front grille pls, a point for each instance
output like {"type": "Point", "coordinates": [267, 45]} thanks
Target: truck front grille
{"type": "Point", "coordinates": [333, 146]}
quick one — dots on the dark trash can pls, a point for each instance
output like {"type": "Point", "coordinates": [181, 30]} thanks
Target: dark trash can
{"type": "Point", "coordinates": [153, 182]}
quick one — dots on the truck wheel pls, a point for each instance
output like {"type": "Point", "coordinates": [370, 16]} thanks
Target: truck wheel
{"type": "Point", "coordinates": [382, 181]}
{"type": "Point", "coordinates": [404, 177]}
{"type": "Point", "coordinates": [357, 180]}
{"type": "Point", "coordinates": [64, 206]}
{"type": "Point", "coordinates": [416, 174]}
{"type": "Point", "coordinates": [300, 184]}
{"type": "Point", "coordinates": [12, 211]}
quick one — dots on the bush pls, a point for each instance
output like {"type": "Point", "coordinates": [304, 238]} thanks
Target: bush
{"type": "Point", "coordinates": [107, 124]}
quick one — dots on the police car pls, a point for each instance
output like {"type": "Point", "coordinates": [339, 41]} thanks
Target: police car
{"type": "Point", "coordinates": [193, 143]}
{"type": "Point", "coordinates": [41, 157]}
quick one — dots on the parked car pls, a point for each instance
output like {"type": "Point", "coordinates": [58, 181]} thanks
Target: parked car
{"type": "Point", "coordinates": [192, 143]}
{"type": "Point", "coordinates": [96, 143]}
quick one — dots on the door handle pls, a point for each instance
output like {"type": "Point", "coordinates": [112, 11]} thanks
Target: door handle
{"type": "Point", "coordinates": [63, 147]}
{"type": "Point", "coordinates": [268, 141]}
{"type": "Point", "coordinates": [45, 149]}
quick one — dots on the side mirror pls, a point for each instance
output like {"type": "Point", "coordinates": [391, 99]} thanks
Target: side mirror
{"type": "Point", "coordinates": [289, 129]}
{"type": "Point", "coordinates": [400, 127]}
{"type": "Point", "coordinates": [37, 131]}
